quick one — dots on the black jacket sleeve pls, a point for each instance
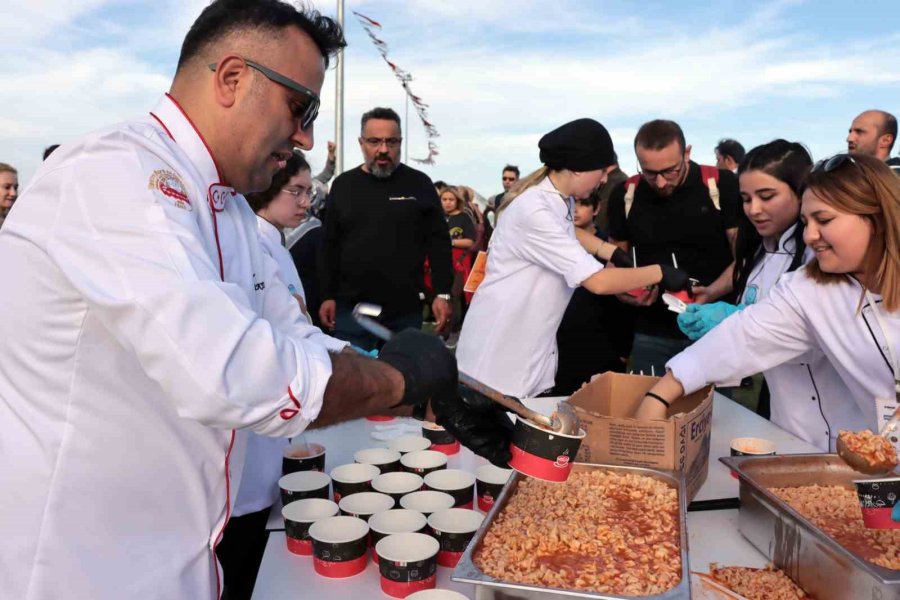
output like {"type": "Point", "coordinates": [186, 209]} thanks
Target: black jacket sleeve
{"type": "Point", "coordinates": [437, 240]}
{"type": "Point", "coordinates": [615, 214]}
{"type": "Point", "coordinates": [330, 258]}
{"type": "Point", "coordinates": [729, 199]}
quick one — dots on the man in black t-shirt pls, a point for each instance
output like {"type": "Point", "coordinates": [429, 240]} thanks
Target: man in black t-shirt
{"type": "Point", "coordinates": [673, 212]}
{"type": "Point", "coordinates": [382, 220]}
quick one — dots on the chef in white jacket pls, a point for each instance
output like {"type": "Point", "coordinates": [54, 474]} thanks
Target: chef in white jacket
{"type": "Point", "coordinates": [144, 325]}
{"type": "Point", "coordinates": [845, 303]}
{"type": "Point", "coordinates": [805, 396]}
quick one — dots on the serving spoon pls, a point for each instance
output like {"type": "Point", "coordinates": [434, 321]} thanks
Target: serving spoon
{"type": "Point", "coordinates": [858, 462]}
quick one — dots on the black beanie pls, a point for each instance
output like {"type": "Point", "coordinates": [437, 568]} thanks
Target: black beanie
{"type": "Point", "coordinates": [580, 145]}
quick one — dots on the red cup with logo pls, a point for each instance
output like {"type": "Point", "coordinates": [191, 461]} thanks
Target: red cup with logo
{"type": "Point", "coordinates": [398, 520]}
{"type": "Point", "coordinates": [456, 482]}
{"type": "Point", "coordinates": [877, 498]}
{"type": "Point", "coordinates": [441, 439]}
{"type": "Point", "coordinates": [454, 529]}
{"type": "Point", "coordinates": [339, 546]}
{"type": "Point", "coordinates": [407, 563]}
{"type": "Point", "coordinates": [299, 517]}
{"type": "Point", "coordinates": [489, 482]}
{"type": "Point", "coordinates": [543, 453]}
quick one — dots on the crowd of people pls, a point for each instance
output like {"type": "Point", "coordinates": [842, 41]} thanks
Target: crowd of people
{"type": "Point", "coordinates": [183, 304]}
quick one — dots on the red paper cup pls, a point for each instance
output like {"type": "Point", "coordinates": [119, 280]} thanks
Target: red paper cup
{"type": "Point", "coordinates": [541, 453]}
{"type": "Point", "coordinates": [489, 482]}
{"type": "Point", "coordinates": [423, 462]}
{"type": "Point", "coordinates": [380, 418]}
{"type": "Point", "coordinates": [409, 443]}
{"type": "Point", "coordinates": [396, 485]}
{"type": "Point", "coordinates": [876, 501]}
{"type": "Point", "coordinates": [339, 546]}
{"type": "Point", "coordinates": [398, 520]}
{"type": "Point", "coordinates": [427, 501]}
{"type": "Point", "coordinates": [407, 563]}
{"type": "Point", "coordinates": [436, 594]}
{"type": "Point", "coordinates": [299, 517]}
{"type": "Point", "coordinates": [365, 504]}
{"type": "Point", "coordinates": [454, 529]}
{"type": "Point", "coordinates": [458, 483]}
{"type": "Point", "coordinates": [639, 293]}
{"type": "Point", "coordinates": [683, 296]}
{"type": "Point", "coordinates": [303, 484]}
{"type": "Point", "coordinates": [303, 457]}
{"type": "Point", "coordinates": [352, 479]}
{"type": "Point", "coordinates": [385, 459]}
{"type": "Point", "coordinates": [441, 439]}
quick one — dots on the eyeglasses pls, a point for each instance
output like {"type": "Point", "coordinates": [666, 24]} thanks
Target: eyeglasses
{"type": "Point", "coordinates": [307, 192]}
{"type": "Point", "coordinates": [830, 164]}
{"type": "Point", "coordinates": [668, 174]}
{"type": "Point", "coordinates": [306, 112]}
{"type": "Point", "coordinates": [374, 142]}
{"type": "Point", "coordinates": [509, 179]}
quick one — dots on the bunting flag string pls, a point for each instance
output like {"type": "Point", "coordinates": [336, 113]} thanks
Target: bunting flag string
{"type": "Point", "coordinates": [404, 77]}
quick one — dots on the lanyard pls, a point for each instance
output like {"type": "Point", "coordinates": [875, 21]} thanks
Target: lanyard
{"type": "Point", "coordinates": [895, 364]}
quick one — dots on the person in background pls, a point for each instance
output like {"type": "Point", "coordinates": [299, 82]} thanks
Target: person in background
{"type": "Point", "coordinates": [844, 303]}
{"type": "Point", "coordinates": [729, 154]}
{"type": "Point", "coordinates": [601, 219]}
{"type": "Point", "coordinates": [873, 132]}
{"type": "Point", "coordinates": [9, 189]}
{"type": "Point", "coordinates": [508, 178]}
{"type": "Point", "coordinates": [49, 150]}
{"type": "Point", "coordinates": [596, 331]}
{"type": "Point", "coordinates": [462, 238]}
{"type": "Point", "coordinates": [673, 210]}
{"type": "Point", "coordinates": [806, 395]}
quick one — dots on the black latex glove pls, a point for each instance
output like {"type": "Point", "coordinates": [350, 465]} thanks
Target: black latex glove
{"type": "Point", "coordinates": [674, 280]}
{"type": "Point", "coordinates": [428, 367]}
{"type": "Point", "coordinates": [479, 423]}
{"type": "Point", "coordinates": [621, 259]}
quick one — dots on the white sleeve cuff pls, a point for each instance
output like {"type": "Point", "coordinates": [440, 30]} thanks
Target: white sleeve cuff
{"type": "Point", "coordinates": [688, 371]}
{"type": "Point", "coordinates": [586, 266]}
{"type": "Point", "coordinates": [307, 392]}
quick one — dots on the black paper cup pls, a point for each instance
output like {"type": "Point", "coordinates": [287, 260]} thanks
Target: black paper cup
{"type": "Point", "coordinates": [407, 563]}
{"type": "Point", "coordinates": [423, 462]}
{"type": "Point", "coordinates": [877, 498]}
{"type": "Point", "coordinates": [454, 529]}
{"type": "Point", "coordinates": [365, 504]}
{"type": "Point", "coordinates": [339, 546]}
{"type": "Point", "coordinates": [441, 439]}
{"type": "Point", "coordinates": [458, 483]}
{"type": "Point", "coordinates": [299, 517]}
{"type": "Point", "coordinates": [385, 459]}
{"type": "Point", "coordinates": [398, 520]}
{"type": "Point", "coordinates": [409, 443]}
{"type": "Point", "coordinates": [396, 485]}
{"type": "Point", "coordinates": [752, 447]}
{"type": "Point", "coordinates": [427, 501]}
{"type": "Point", "coordinates": [303, 484]}
{"type": "Point", "coordinates": [541, 453]}
{"type": "Point", "coordinates": [437, 594]}
{"type": "Point", "coordinates": [300, 457]}
{"type": "Point", "coordinates": [489, 481]}
{"type": "Point", "coordinates": [352, 479]}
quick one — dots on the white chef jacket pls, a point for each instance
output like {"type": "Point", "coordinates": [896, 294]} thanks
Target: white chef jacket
{"type": "Point", "coordinates": [508, 339]}
{"type": "Point", "coordinates": [808, 397]}
{"type": "Point", "coordinates": [258, 488]}
{"type": "Point", "coordinates": [140, 328]}
{"type": "Point", "coordinates": [798, 316]}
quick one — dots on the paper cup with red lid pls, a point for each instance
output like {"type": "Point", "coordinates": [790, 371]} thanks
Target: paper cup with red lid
{"type": "Point", "coordinates": [407, 563]}
{"type": "Point", "coordinates": [299, 517]}
{"type": "Point", "coordinates": [877, 498]}
{"type": "Point", "coordinates": [489, 482]}
{"type": "Point", "coordinates": [454, 529]}
{"type": "Point", "coordinates": [352, 479]}
{"type": "Point", "coordinates": [456, 482]}
{"type": "Point", "coordinates": [542, 453]}
{"type": "Point", "coordinates": [339, 545]}
{"type": "Point", "coordinates": [441, 439]}
{"type": "Point", "coordinates": [396, 485]}
{"type": "Point", "coordinates": [397, 520]}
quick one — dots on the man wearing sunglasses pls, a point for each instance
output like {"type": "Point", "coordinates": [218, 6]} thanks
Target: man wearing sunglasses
{"type": "Point", "coordinates": [150, 328]}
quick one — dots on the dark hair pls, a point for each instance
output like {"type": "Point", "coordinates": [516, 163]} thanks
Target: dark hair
{"type": "Point", "coordinates": [593, 199]}
{"type": "Point", "coordinates": [656, 135]}
{"type": "Point", "coordinates": [889, 127]}
{"type": "Point", "coordinates": [225, 17]}
{"type": "Point", "coordinates": [49, 150]}
{"type": "Point", "coordinates": [731, 148]}
{"type": "Point", "coordinates": [788, 162]}
{"type": "Point", "coordinates": [440, 184]}
{"type": "Point", "coordinates": [379, 112]}
{"type": "Point", "coordinates": [295, 164]}
{"type": "Point", "coordinates": [512, 168]}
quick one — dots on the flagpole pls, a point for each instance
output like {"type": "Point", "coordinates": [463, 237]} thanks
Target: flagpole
{"type": "Point", "coordinates": [339, 99]}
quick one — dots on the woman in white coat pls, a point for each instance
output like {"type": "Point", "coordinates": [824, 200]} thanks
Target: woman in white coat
{"type": "Point", "coordinates": [805, 396]}
{"type": "Point", "coordinates": [844, 303]}
{"type": "Point", "coordinates": [535, 262]}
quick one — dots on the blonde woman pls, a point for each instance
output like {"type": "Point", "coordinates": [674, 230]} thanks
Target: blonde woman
{"type": "Point", "coordinates": [845, 303]}
{"type": "Point", "coordinates": [9, 189]}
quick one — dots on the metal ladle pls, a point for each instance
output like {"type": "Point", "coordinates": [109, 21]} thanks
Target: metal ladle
{"type": "Point", "coordinates": [857, 462]}
{"type": "Point", "coordinates": [564, 420]}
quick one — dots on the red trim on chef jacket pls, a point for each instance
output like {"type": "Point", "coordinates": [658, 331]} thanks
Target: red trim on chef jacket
{"type": "Point", "coordinates": [197, 131]}
{"type": "Point", "coordinates": [289, 413]}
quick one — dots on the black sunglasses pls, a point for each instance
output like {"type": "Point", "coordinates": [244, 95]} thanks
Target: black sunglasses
{"type": "Point", "coordinates": [830, 164]}
{"type": "Point", "coordinates": [308, 111]}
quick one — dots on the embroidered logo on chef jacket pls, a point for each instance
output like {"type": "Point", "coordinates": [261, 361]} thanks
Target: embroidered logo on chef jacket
{"type": "Point", "coordinates": [171, 186]}
{"type": "Point", "coordinates": [218, 195]}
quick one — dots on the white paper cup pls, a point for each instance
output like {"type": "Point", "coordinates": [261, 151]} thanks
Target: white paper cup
{"type": "Point", "coordinates": [398, 520]}
{"type": "Point", "coordinates": [423, 462]}
{"type": "Point", "coordinates": [385, 459]}
{"type": "Point", "coordinates": [302, 457]}
{"type": "Point", "coordinates": [407, 563]}
{"type": "Point", "coordinates": [454, 529]}
{"type": "Point", "coordinates": [299, 517]}
{"type": "Point", "coordinates": [427, 501]}
{"type": "Point", "coordinates": [339, 546]}
{"type": "Point", "coordinates": [456, 482]}
{"type": "Point", "coordinates": [409, 443]}
{"type": "Point", "coordinates": [365, 504]}
{"type": "Point", "coordinates": [396, 485]}
{"type": "Point", "coordinates": [436, 594]}
{"type": "Point", "coordinates": [352, 479]}
{"type": "Point", "coordinates": [303, 484]}
{"type": "Point", "coordinates": [489, 481]}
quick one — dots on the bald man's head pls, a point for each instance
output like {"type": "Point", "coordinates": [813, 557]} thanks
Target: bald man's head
{"type": "Point", "coordinates": [873, 132]}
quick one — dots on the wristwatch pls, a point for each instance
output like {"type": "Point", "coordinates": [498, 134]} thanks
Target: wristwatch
{"type": "Point", "coordinates": [444, 297]}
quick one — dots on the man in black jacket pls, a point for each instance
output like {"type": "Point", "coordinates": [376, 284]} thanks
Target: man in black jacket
{"type": "Point", "coordinates": [382, 220]}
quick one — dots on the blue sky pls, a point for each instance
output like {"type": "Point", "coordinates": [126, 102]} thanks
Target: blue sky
{"type": "Point", "coordinates": [496, 73]}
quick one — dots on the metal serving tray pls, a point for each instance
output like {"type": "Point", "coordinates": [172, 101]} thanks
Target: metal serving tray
{"type": "Point", "coordinates": [490, 588]}
{"type": "Point", "coordinates": [818, 563]}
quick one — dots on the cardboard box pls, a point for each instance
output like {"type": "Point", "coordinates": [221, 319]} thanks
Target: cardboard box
{"type": "Point", "coordinates": [680, 443]}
